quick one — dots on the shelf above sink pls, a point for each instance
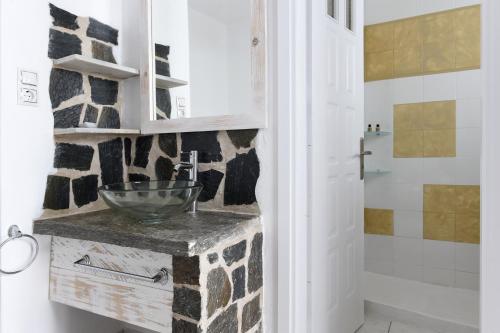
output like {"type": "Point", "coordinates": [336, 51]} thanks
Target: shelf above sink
{"type": "Point", "coordinates": [375, 133]}
{"type": "Point", "coordinates": [95, 131]}
{"type": "Point", "coordinates": [80, 63]}
{"type": "Point", "coordinates": [377, 172]}
{"type": "Point", "coordinates": [166, 82]}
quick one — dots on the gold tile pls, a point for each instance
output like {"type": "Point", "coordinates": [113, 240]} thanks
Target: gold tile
{"type": "Point", "coordinates": [408, 143]}
{"type": "Point", "coordinates": [379, 37]}
{"type": "Point", "coordinates": [408, 33]}
{"type": "Point", "coordinates": [439, 57]}
{"type": "Point", "coordinates": [440, 143]}
{"type": "Point", "coordinates": [468, 22]}
{"type": "Point", "coordinates": [408, 61]}
{"type": "Point", "coordinates": [439, 115]}
{"type": "Point", "coordinates": [439, 27]}
{"type": "Point", "coordinates": [439, 198]}
{"type": "Point", "coordinates": [379, 66]}
{"type": "Point", "coordinates": [439, 226]}
{"type": "Point", "coordinates": [408, 116]}
{"type": "Point", "coordinates": [467, 228]}
{"type": "Point", "coordinates": [379, 221]}
{"type": "Point", "coordinates": [468, 53]}
{"type": "Point", "coordinates": [468, 199]}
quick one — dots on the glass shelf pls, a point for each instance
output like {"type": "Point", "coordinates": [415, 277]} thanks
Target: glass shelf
{"type": "Point", "coordinates": [375, 133]}
{"type": "Point", "coordinates": [377, 172]}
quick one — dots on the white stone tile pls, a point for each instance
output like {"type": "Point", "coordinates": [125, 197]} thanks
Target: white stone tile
{"type": "Point", "coordinates": [374, 325]}
{"type": "Point", "coordinates": [377, 11]}
{"type": "Point", "coordinates": [378, 247]}
{"type": "Point", "coordinates": [469, 143]}
{"type": "Point", "coordinates": [380, 267]}
{"type": "Point", "coordinates": [408, 251]}
{"type": "Point", "coordinates": [407, 196]}
{"type": "Point", "coordinates": [408, 224]}
{"type": "Point", "coordinates": [407, 90]}
{"type": "Point", "coordinates": [408, 272]}
{"type": "Point", "coordinates": [443, 277]}
{"type": "Point", "coordinates": [468, 171]}
{"type": "Point", "coordinates": [439, 254]}
{"type": "Point", "coordinates": [466, 280]}
{"type": "Point", "coordinates": [440, 87]}
{"type": "Point", "coordinates": [398, 327]}
{"type": "Point", "coordinates": [432, 6]}
{"type": "Point", "coordinates": [469, 113]}
{"type": "Point", "coordinates": [439, 170]}
{"type": "Point", "coordinates": [467, 257]}
{"type": "Point", "coordinates": [408, 170]}
{"type": "Point", "coordinates": [469, 84]}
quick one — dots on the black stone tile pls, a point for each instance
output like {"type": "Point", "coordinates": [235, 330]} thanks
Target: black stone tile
{"type": "Point", "coordinates": [110, 118]}
{"type": "Point", "coordinates": [213, 257]}
{"type": "Point", "coordinates": [181, 326]}
{"type": "Point", "coordinates": [69, 117]}
{"type": "Point", "coordinates": [64, 85]}
{"type": "Point", "coordinates": [85, 190]}
{"type": "Point", "coordinates": [91, 114]}
{"type": "Point", "coordinates": [242, 138]}
{"type": "Point", "coordinates": [205, 143]}
{"type": "Point", "coordinates": [103, 52]}
{"type": "Point", "coordinates": [251, 314]}
{"type": "Point", "coordinates": [255, 264]}
{"type": "Point", "coordinates": [111, 157]}
{"type": "Point", "coordinates": [62, 18]}
{"type": "Point", "coordinates": [187, 302]}
{"type": "Point", "coordinates": [102, 31]}
{"type": "Point", "coordinates": [138, 177]}
{"type": "Point", "coordinates": [164, 168]}
{"type": "Point", "coordinates": [226, 322]}
{"type": "Point", "coordinates": [211, 180]}
{"type": "Point", "coordinates": [104, 92]}
{"type": "Point", "coordinates": [242, 174]}
{"type": "Point", "coordinates": [72, 156]}
{"type": "Point", "coordinates": [162, 68]}
{"type": "Point", "coordinates": [186, 270]}
{"type": "Point", "coordinates": [168, 144]}
{"type": "Point", "coordinates": [163, 101]}
{"type": "Point", "coordinates": [143, 146]}
{"type": "Point", "coordinates": [62, 44]}
{"type": "Point", "coordinates": [239, 283]}
{"type": "Point", "coordinates": [235, 252]}
{"type": "Point", "coordinates": [56, 193]}
{"type": "Point", "coordinates": [219, 290]}
{"type": "Point", "coordinates": [128, 151]}
{"type": "Point", "coordinates": [162, 51]}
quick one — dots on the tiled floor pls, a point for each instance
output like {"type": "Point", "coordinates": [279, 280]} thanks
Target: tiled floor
{"type": "Point", "coordinates": [375, 324]}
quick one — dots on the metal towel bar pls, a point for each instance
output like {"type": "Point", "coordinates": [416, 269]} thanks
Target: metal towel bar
{"type": "Point", "coordinates": [159, 277]}
{"type": "Point", "coordinates": [15, 233]}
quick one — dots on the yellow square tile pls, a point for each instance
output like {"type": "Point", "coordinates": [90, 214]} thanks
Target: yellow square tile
{"type": "Point", "coordinates": [379, 66]}
{"type": "Point", "coordinates": [408, 33]}
{"type": "Point", "coordinates": [439, 198]}
{"type": "Point", "coordinates": [439, 226]}
{"type": "Point", "coordinates": [468, 22]}
{"type": "Point", "coordinates": [379, 221]}
{"type": "Point", "coordinates": [408, 61]}
{"type": "Point", "coordinates": [408, 143]}
{"type": "Point", "coordinates": [439, 115]}
{"type": "Point", "coordinates": [440, 143]}
{"type": "Point", "coordinates": [468, 199]}
{"type": "Point", "coordinates": [439, 57]}
{"type": "Point", "coordinates": [467, 228]}
{"type": "Point", "coordinates": [379, 37]}
{"type": "Point", "coordinates": [439, 27]}
{"type": "Point", "coordinates": [408, 116]}
{"type": "Point", "coordinates": [468, 53]}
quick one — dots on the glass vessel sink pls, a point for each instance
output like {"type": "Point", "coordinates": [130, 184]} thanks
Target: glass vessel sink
{"type": "Point", "coordinates": [151, 201]}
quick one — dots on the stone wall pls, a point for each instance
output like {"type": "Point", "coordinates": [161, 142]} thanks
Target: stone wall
{"type": "Point", "coordinates": [229, 166]}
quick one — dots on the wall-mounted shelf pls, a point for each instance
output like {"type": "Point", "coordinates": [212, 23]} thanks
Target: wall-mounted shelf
{"type": "Point", "coordinates": [375, 133]}
{"type": "Point", "coordinates": [80, 63]}
{"type": "Point", "coordinates": [166, 82]}
{"type": "Point", "coordinates": [83, 130]}
{"type": "Point", "coordinates": [377, 172]}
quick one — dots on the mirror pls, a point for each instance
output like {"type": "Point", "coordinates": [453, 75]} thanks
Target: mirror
{"type": "Point", "coordinates": [208, 65]}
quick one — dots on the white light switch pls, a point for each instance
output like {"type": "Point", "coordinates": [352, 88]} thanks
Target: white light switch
{"type": "Point", "coordinates": [28, 78]}
{"type": "Point", "coordinates": [27, 87]}
{"type": "Point", "coordinates": [181, 107]}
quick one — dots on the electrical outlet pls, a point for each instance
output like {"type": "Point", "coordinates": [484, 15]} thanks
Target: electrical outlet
{"type": "Point", "coordinates": [27, 87]}
{"type": "Point", "coordinates": [28, 96]}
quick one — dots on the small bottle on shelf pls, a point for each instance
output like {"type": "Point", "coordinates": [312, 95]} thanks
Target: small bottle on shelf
{"type": "Point", "coordinates": [377, 128]}
{"type": "Point", "coordinates": [370, 129]}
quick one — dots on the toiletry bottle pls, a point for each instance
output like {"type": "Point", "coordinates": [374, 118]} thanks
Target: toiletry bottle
{"type": "Point", "coordinates": [370, 128]}
{"type": "Point", "coordinates": [377, 128]}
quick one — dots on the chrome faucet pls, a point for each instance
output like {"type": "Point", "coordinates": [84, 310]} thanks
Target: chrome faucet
{"type": "Point", "coordinates": [192, 166]}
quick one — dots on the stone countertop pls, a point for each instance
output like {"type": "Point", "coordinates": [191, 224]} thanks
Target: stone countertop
{"type": "Point", "coordinates": [182, 235]}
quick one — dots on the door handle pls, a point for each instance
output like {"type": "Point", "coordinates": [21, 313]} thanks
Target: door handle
{"type": "Point", "coordinates": [362, 154]}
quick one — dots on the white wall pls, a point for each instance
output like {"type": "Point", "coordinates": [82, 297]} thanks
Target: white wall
{"type": "Point", "coordinates": [26, 139]}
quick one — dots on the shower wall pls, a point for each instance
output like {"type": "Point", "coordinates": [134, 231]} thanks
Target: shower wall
{"type": "Point", "coordinates": [423, 80]}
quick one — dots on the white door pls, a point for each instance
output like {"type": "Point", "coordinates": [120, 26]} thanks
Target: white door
{"type": "Point", "coordinates": [336, 126]}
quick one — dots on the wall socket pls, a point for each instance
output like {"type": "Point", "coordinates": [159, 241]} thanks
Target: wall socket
{"type": "Point", "coordinates": [27, 87]}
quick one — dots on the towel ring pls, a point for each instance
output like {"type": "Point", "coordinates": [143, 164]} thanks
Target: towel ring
{"type": "Point", "coordinates": [15, 233]}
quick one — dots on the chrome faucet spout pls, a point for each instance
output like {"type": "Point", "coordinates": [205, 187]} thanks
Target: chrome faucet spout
{"type": "Point", "coordinates": [183, 165]}
{"type": "Point", "coordinates": [192, 166]}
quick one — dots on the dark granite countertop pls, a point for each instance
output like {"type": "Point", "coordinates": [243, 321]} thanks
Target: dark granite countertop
{"type": "Point", "coordinates": [182, 235]}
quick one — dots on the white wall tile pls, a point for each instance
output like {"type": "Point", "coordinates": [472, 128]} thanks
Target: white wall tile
{"type": "Point", "coordinates": [379, 267]}
{"type": "Point", "coordinates": [408, 251]}
{"type": "Point", "coordinates": [464, 3]}
{"type": "Point", "coordinates": [378, 104]}
{"type": "Point", "coordinates": [467, 257]}
{"type": "Point", "coordinates": [431, 6]}
{"type": "Point", "coordinates": [410, 272]}
{"type": "Point", "coordinates": [469, 84]}
{"type": "Point", "coordinates": [440, 170]}
{"type": "Point", "coordinates": [378, 247]}
{"type": "Point", "coordinates": [467, 280]}
{"type": "Point", "coordinates": [408, 196]}
{"type": "Point", "coordinates": [469, 143]}
{"type": "Point", "coordinates": [468, 171]}
{"type": "Point", "coordinates": [408, 224]}
{"type": "Point", "coordinates": [408, 170]}
{"type": "Point", "coordinates": [439, 254]}
{"type": "Point", "coordinates": [377, 195]}
{"type": "Point", "coordinates": [439, 276]}
{"type": "Point", "coordinates": [469, 113]}
{"type": "Point", "coordinates": [440, 87]}
{"type": "Point", "coordinates": [377, 11]}
{"type": "Point", "coordinates": [407, 90]}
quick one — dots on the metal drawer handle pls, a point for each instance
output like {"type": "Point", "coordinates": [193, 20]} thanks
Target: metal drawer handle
{"type": "Point", "coordinates": [161, 275]}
